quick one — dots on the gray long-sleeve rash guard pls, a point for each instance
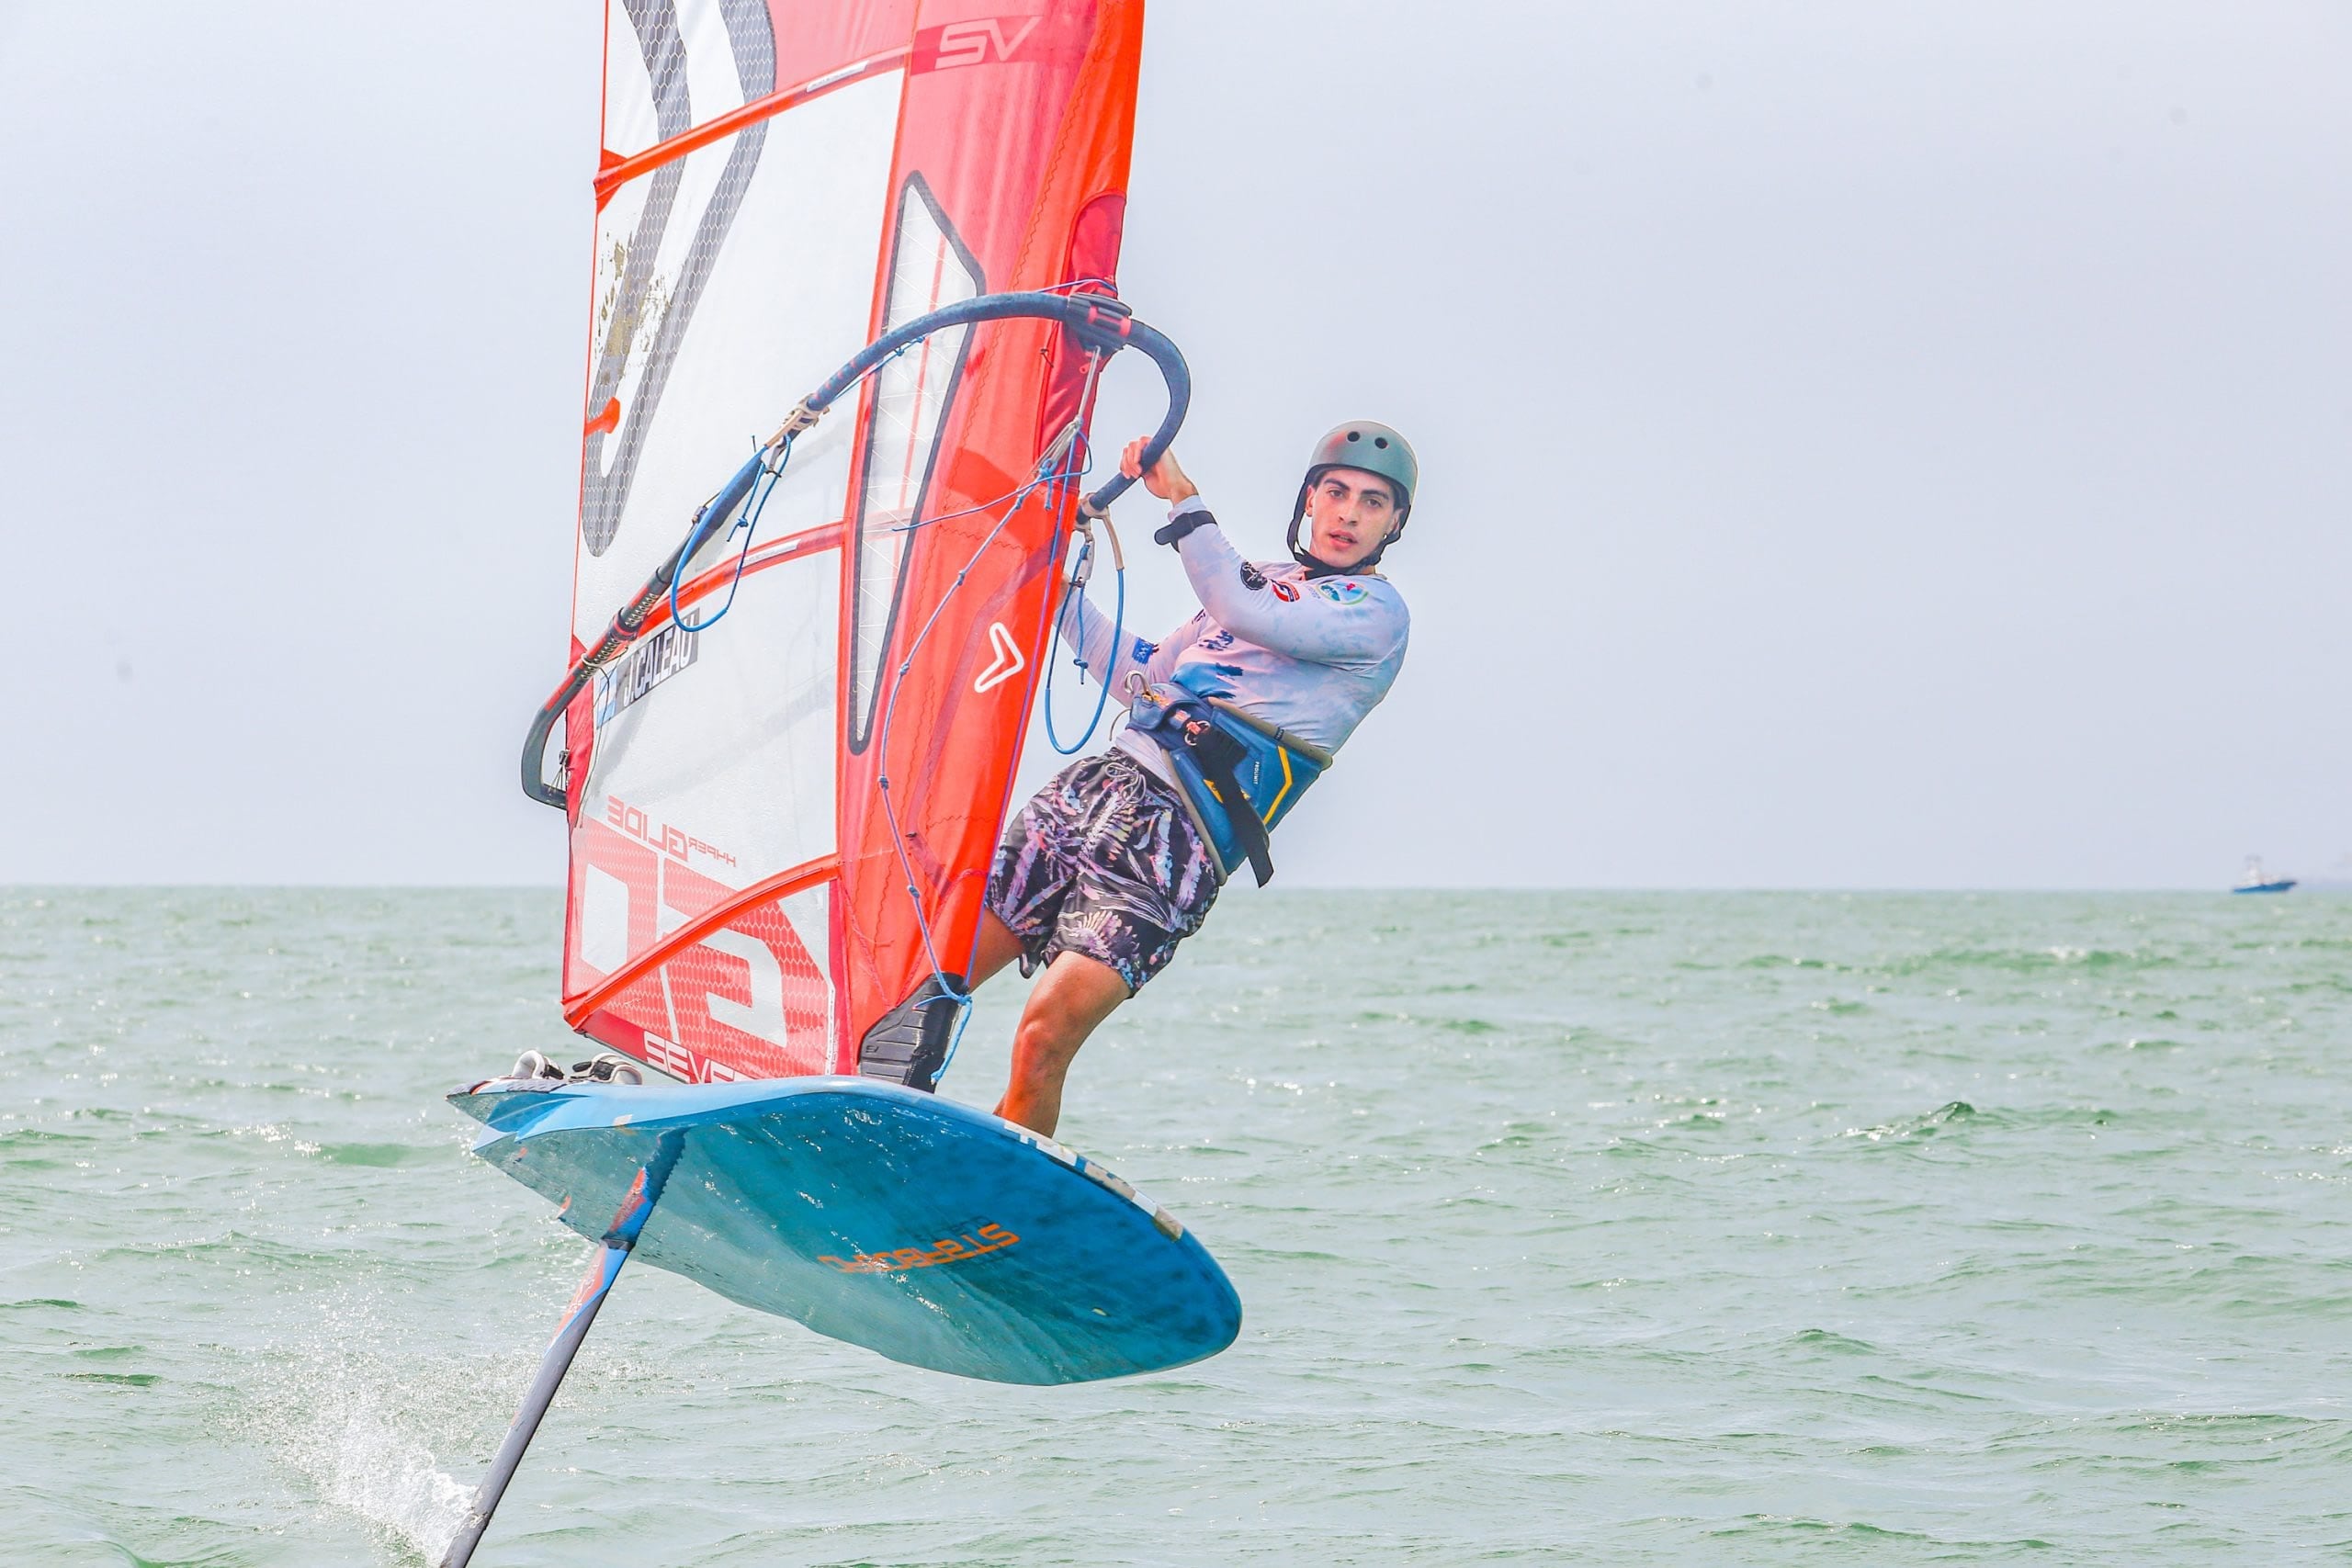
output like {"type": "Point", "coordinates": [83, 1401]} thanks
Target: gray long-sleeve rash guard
{"type": "Point", "coordinates": [1312, 655]}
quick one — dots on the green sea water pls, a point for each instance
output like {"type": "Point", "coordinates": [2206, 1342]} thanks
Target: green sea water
{"type": "Point", "coordinates": [1623, 1228]}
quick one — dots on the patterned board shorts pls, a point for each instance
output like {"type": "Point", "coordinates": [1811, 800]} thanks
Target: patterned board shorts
{"type": "Point", "coordinates": [1103, 861]}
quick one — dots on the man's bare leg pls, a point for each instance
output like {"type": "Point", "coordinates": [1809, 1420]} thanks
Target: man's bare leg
{"type": "Point", "coordinates": [1075, 994]}
{"type": "Point", "coordinates": [997, 947]}
{"type": "Point", "coordinates": [1071, 1000]}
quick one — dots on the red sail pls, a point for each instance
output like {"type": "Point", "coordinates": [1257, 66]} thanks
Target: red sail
{"type": "Point", "coordinates": [782, 801]}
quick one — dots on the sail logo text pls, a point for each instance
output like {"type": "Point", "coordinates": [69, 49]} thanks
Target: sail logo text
{"type": "Point", "coordinates": [645, 666]}
{"type": "Point", "coordinates": [947, 1249]}
{"type": "Point", "coordinates": [675, 843]}
{"type": "Point", "coordinates": [680, 1063]}
{"type": "Point", "coordinates": [966, 43]}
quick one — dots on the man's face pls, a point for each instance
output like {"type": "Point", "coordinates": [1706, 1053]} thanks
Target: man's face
{"type": "Point", "coordinates": [1352, 514]}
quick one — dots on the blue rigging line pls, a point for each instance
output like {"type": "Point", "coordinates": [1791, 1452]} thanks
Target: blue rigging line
{"type": "Point", "coordinates": [749, 520]}
{"type": "Point", "coordinates": [1074, 596]}
{"type": "Point", "coordinates": [1057, 482]}
{"type": "Point", "coordinates": [747, 525]}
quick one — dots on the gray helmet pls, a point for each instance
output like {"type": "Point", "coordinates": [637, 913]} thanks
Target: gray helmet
{"type": "Point", "coordinates": [1376, 450]}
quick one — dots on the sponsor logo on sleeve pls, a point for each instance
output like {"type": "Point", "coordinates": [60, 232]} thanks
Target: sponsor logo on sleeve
{"type": "Point", "coordinates": [1285, 591]}
{"type": "Point", "coordinates": [1252, 578]}
{"type": "Point", "coordinates": [644, 667]}
{"type": "Point", "coordinates": [1340, 592]}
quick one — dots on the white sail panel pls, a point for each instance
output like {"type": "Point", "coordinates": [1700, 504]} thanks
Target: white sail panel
{"type": "Point", "coordinates": [709, 330]}
{"type": "Point", "coordinates": [714, 770]}
{"type": "Point", "coordinates": [719, 750]}
{"type": "Point", "coordinates": [632, 120]}
{"type": "Point", "coordinates": [671, 65]}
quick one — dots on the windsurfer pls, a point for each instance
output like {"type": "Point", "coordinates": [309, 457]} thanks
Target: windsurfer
{"type": "Point", "coordinates": [1118, 858]}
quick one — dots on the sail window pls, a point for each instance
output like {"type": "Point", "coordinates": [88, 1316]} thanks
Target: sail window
{"type": "Point", "coordinates": [929, 268]}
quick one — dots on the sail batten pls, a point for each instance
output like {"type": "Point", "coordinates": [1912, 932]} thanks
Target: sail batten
{"type": "Point", "coordinates": [619, 170]}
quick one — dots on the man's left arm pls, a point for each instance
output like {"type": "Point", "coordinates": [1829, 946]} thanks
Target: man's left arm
{"type": "Point", "coordinates": [1322, 622]}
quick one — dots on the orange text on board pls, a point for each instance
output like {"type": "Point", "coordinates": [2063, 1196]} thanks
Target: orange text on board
{"type": "Point", "coordinates": [948, 1249]}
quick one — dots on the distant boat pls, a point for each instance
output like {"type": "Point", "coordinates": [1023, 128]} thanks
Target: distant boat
{"type": "Point", "coordinates": [2257, 880]}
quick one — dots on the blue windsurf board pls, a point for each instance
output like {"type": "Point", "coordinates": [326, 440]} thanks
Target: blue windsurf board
{"type": "Point", "coordinates": [934, 1234]}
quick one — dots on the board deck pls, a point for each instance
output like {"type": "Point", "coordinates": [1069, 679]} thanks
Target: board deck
{"type": "Point", "coordinates": [934, 1234]}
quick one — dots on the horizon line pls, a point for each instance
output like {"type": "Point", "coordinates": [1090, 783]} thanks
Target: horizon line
{"type": "Point", "coordinates": [8, 889]}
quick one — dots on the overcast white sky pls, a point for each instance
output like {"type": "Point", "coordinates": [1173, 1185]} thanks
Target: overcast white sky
{"type": "Point", "coordinates": [1865, 445]}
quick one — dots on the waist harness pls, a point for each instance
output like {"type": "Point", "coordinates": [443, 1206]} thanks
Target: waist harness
{"type": "Point", "coordinates": [1240, 775]}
